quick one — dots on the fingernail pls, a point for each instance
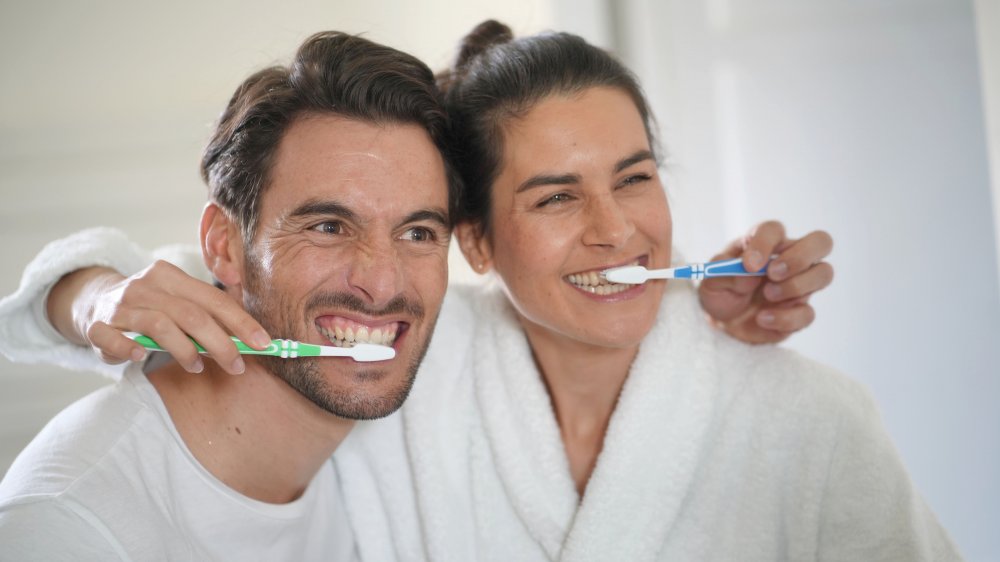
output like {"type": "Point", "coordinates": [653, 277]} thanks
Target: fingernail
{"type": "Point", "coordinates": [197, 367]}
{"type": "Point", "coordinates": [772, 292]}
{"type": "Point", "coordinates": [765, 318]}
{"type": "Point", "coordinates": [756, 260]}
{"type": "Point", "coordinates": [238, 366]}
{"type": "Point", "coordinates": [138, 355]}
{"type": "Point", "coordinates": [777, 270]}
{"type": "Point", "coordinates": [261, 339]}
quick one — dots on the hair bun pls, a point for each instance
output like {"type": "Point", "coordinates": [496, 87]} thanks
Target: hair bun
{"type": "Point", "coordinates": [481, 38]}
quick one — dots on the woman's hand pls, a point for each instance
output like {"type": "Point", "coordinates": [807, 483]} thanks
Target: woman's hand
{"type": "Point", "coordinates": [769, 309]}
{"type": "Point", "coordinates": [94, 306]}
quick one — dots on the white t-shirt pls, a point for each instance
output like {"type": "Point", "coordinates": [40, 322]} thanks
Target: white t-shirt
{"type": "Point", "coordinates": [109, 478]}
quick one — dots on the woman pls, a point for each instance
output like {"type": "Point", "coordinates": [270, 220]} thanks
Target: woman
{"type": "Point", "coordinates": [572, 422]}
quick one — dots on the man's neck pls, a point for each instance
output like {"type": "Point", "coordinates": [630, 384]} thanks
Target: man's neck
{"type": "Point", "coordinates": [253, 432]}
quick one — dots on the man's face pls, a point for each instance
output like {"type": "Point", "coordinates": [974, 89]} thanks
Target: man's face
{"type": "Point", "coordinates": [352, 245]}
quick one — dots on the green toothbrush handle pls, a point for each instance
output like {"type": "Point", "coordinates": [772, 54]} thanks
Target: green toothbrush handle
{"type": "Point", "coordinates": [288, 349]}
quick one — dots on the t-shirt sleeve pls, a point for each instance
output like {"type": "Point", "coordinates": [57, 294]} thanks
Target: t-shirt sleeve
{"type": "Point", "coordinates": [52, 531]}
{"type": "Point", "coordinates": [26, 336]}
{"type": "Point", "coordinates": [871, 509]}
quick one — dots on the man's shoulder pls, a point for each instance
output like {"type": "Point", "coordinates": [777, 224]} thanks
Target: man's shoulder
{"type": "Point", "coordinates": [50, 528]}
{"type": "Point", "coordinates": [75, 442]}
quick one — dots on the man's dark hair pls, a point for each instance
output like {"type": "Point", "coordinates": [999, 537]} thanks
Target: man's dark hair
{"type": "Point", "coordinates": [334, 73]}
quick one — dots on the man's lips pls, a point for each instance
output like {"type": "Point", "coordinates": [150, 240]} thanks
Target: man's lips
{"type": "Point", "coordinates": [345, 332]}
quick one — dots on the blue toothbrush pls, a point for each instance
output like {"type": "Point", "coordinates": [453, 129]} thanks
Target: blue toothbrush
{"type": "Point", "coordinates": [637, 274]}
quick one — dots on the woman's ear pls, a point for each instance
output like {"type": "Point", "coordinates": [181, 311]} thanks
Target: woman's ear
{"type": "Point", "coordinates": [221, 246]}
{"type": "Point", "coordinates": [475, 246]}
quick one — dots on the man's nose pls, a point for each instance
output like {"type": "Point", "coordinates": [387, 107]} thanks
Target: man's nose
{"type": "Point", "coordinates": [376, 275]}
{"type": "Point", "coordinates": [608, 223]}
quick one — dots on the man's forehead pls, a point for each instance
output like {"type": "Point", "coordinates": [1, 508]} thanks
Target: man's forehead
{"type": "Point", "coordinates": [396, 166]}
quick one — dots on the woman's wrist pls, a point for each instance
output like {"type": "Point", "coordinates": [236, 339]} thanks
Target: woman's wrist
{"type": "Point", "coordinates": [71, 302]}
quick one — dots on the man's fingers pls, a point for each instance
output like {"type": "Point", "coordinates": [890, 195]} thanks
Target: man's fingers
{"type": "Point", "coordinates": [801, 255]}
{"type": "Point", "coordinates": [786, 319]}
{"type": "Point", "coordinates": [762, 241]}
{"type": "Point", "coordinates": [814, 279]}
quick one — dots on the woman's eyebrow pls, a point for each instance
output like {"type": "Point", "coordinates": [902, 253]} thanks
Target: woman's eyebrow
{"type": "Point", "coordinates": [548, 179]}
{"type": "Point", "coordinates": [639, 156]}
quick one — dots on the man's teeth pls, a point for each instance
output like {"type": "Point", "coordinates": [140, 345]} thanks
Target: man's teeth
{"type": "Point", "coordinates": [592, 282]}
{"type": "Point", "coordinates": [347, 337]}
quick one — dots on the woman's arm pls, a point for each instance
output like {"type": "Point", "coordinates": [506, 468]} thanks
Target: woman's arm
{"type": "Point", "coordinates": [26, 335]}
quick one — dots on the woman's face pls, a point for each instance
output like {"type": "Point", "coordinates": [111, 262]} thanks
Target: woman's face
{"type": "Point", "coordinates": [578, 192]}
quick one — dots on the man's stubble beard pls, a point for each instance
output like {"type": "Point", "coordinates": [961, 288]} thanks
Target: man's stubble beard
{"type": "Point", "coordinates": [304, 374]}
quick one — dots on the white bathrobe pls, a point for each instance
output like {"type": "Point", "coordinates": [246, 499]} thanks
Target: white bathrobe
{"type": "Point", "coordinates": [716, 450]}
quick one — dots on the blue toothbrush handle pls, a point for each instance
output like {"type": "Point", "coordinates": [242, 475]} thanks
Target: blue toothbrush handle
{"type": "Point", "coordinates": [725, 268]}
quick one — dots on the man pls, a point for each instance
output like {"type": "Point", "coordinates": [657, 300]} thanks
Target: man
{"type": "Point", "coordinates": [328, 211]}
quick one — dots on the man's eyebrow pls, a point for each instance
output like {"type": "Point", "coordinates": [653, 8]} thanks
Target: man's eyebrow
{"type": "Point", "coordinates": [434, 215]}
{"type": "Point", "coordinates": [310, 208]}
{"type": "Point", "coordinates": [548, 179]}
{"type": "Point", "coordinates": [639, 156]}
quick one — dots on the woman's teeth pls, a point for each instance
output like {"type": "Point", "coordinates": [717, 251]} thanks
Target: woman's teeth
{"type": "Point", "coordinates": [347, 337]}
{"type": "Point", "coordinates": [592, 282]}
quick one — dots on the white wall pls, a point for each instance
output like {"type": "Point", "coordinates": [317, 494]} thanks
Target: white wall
{"type": "Point", "coordinates": [104, 108]}
{"type": "Point", "coordinates": [864, 118]}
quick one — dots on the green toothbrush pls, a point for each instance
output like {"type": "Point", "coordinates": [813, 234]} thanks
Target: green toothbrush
{"type": "Point", "coordinates": [291, 349]}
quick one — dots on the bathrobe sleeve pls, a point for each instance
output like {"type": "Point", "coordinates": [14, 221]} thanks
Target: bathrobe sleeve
{"type": "Point", "coordinates": [871, 509]}
{"type": "Point", "coordinates": [26, 336]}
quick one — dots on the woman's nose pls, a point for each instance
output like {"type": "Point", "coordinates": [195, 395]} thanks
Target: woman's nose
{"type": "Point", "coordinates": [608, 223]}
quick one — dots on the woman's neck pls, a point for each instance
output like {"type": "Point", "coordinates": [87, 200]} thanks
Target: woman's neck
{"type": "Point", "coordinates": [584, 382]}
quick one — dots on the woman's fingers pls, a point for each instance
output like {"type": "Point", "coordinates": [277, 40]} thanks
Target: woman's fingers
{"type": "Point", "coordinates": [764, 240]}
{"type": "Point", "coordinates": [798, 256]}
{"type": "Point", "coordinates": [815, 278]}
{"type": "Point", "coordinates": [786, 319]}
{"type": "Point", "coordinates": [172, 307]}
{"type": "Point", "coordinates": [112, 346]}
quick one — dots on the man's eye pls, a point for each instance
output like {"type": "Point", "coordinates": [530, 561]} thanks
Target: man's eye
{"type": "Point", "coordinates": [329, 227]}
{"type": "Point", "coordinates": [419, 234]}
{"type": "Point", "coordinates": [555, 199]}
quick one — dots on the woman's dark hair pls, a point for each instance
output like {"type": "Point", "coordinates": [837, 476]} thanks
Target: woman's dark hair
{"type": "Point", "coordinates": [332, 73]}
{"type": "Point", "coordinates": [496, 78]}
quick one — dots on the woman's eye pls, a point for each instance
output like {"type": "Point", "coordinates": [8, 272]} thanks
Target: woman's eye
{"type": "Point", "coordinates": [330, 227]}
{"type": "Point", "coordinates": [557, 198]}
{"type": "Point", "coordinates": [419, 234]}
{"type": "Point", "coordinates": [635, 179]}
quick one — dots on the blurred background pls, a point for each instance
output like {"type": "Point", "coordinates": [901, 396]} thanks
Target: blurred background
{"type": "Point", "coordinates": [876, 120]}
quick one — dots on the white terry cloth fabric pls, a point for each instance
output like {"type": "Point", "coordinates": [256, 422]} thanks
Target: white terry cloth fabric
{"type": "Point", "coordinates": [26, 336]}
{"type": "Point", "coordinates": [716, 451]}
{"type": "Point", "coordinates": [110, 478]}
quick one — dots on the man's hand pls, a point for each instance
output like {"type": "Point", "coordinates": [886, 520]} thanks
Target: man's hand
{"type": "Point", "coordinates": [769, 309]}
{"type": "Point", "coordinates": [94, 306]}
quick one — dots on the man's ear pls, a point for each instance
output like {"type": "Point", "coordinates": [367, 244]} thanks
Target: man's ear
{"type": "Point", "coordinates": [475, 246]}
{"type": "Point", "coordinates": [221, 246]}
